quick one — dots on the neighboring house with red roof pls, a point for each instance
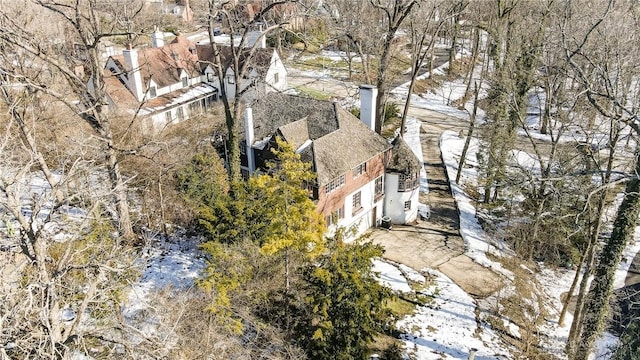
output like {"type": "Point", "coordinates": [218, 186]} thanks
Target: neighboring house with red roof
{"type": "Point", "coordinates": [170, 82]}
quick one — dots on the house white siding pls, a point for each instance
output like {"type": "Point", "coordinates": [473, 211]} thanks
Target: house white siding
{"type": "Point", "coordinates": [395, 201]}
{"type": "Point", "coordinates": [362, 218]}
{"type": "Point", "coordinates": [276, 77]}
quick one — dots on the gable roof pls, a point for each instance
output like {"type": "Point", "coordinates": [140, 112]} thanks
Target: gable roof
{"type": "Point", "coordinates": [117, 91]}
{"type": "Point", "coordinates": [165, 64]}
{"type": "Point", "coordinates": [340, 141]}
{"type": "Point", "coordinates": [403, 161]}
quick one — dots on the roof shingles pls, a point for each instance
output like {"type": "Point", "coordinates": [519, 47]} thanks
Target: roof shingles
{"type": "Point", "coordinates": [340, 140]}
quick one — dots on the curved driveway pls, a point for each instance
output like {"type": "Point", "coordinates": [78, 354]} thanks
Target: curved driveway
{"type": "Point", "coordinates": [435, 243]}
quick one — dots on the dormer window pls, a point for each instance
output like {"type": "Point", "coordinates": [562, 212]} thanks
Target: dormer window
{"type": "Point", "coordinates": [185, 82]}
{"type": "Point", "coordinates": [360, 169]}
{"type": "Point", "coordinates": [152, 92]}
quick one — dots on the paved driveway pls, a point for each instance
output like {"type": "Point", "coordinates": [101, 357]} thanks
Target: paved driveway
{"type": "Point", "coordinates": [435, 243]}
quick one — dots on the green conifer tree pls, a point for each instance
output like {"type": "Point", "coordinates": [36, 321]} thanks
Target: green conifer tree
{"type": "Point", "coordinates": [346, 303]}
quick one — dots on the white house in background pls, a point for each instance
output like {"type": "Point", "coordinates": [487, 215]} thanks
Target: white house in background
{"type": "Point", "coordinates": [351, 161]}
{"type": "Point", "coordinates": [266, 72]}
{"type": "Point", "coordinates": [168, 83]}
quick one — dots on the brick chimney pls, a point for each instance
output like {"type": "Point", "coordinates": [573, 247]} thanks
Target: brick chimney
{"type": "Point", "coordinates": [368, 94]}
{"type": "Point", "coordinates": [134, 78]}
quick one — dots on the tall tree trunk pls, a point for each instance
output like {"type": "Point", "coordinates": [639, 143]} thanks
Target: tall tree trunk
{"type": "Point", "coordinates": [467, 141]}
{"type": "Point", "coordinates": [120, 190]}
{"type": "Point", "coordinates": [597, 305]}
{"type": "Point", "coordinates": [454, 37]}
{"type": "Point", "coordinates": [595, 224]}
{"type": "Point", "coordinates": [381, 84]}
{"type": "Point", "coordinates": [474, 58]}
{"type": "Point", "coordinates": [576, 324]}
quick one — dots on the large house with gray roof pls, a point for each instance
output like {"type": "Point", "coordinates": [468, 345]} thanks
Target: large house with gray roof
{"type": "Point", "coordinates": [353, 163]}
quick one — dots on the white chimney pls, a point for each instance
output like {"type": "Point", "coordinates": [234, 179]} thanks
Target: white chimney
{"type": "Point", "coordinates": [249, 138]}
{"type": "Point", "coordinates": [134, 78]}
{"type": "Point", "coordinates": [368, 94]}
{"type": "Point", "coordinates": [157, 38]}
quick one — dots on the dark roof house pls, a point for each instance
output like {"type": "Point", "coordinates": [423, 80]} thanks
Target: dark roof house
{"type": "Point", "coordinates": [331, 138]}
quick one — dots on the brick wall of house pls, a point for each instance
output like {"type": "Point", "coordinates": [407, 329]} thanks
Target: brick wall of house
{"type": "Point", "coordinates": [328, 203]}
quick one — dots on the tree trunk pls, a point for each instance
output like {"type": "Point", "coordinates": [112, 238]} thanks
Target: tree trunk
{"type": "Point", "coordinates": [120, 190]}
{"type": "Point", "coordinates": [454, 38]}
{"type": "Point", "coordinates": [474, 57]}
{"type": "Point", "coordinates": [467, 141]}
{"type": "Point", "coordinates": [576, 326]}
{"type": "Point", "coordinates": [597, 305]}
{"type": "Point", "coordinates": [572, 288]}
{"type": "Point", "coordinates": [595, 222]}
{"type": "Point", "coordinates": [381, 84]}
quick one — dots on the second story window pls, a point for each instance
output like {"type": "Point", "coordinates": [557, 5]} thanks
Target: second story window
{"type": "Point", "coordinates": [276, 78]}
{"type": "Point", "coordinates": [152, 92]}
{"type": "Point", "coordinates": [180, 113]}
{"type": "Point", "coordinates": [360, 169]}
{"type": "Point", "coordinates": [185, 82]}
{"type": "Point", "coordinates": [335, 184]}
{"type": "Point", "coordinates": [407, 182]}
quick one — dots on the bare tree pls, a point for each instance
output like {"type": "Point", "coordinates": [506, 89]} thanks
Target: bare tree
{"type": "Point", "coordinates": [394, 15]}
{"type": "Point", "coordinates": [239, 60]}
{"type": "Point", "coordinates": [424, 26]}
{"type": "Point", "coordinates": [353, 23]}
{"type": "Point", "coordinates": [82, 19]}
{"type": "Point", "coordinates": [610, 85]}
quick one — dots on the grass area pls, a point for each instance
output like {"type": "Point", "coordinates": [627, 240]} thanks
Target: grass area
{"type": "Point", "coordinates": [319, 62]}
{"type": "Point", "coordinates": [313, 93]}
{"type": "Point", "coordinates": [400, 307]}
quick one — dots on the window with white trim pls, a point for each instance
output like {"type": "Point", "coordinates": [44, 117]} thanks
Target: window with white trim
{"type": "Point", "coordinates": [180, 113]}
{"type": "Point", "coordinates": [335, 184]}
{"type": "Point", "coordinates": [152, 92]}
{"type": "Point", "coordinates": [194, 108]}
{"type": "Point", "coordinates": [360, 169]}
{"type": "Point", "coordinates": [334, 217]}
{"type": "Point", "coordinates": [357, 202]}
{"type": "Point", "coordinates": [185, 82]}
{"type": "Point", "coordinates": [407, 182]}
{"type": "Point", "coordinates": [379, 187]}
{"type": "Point", "coordinates": [276, 78]}
{"type": "Point", "coordinates": [167, 116]}
{"type": "Point", "coordinates": [407, 205]}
